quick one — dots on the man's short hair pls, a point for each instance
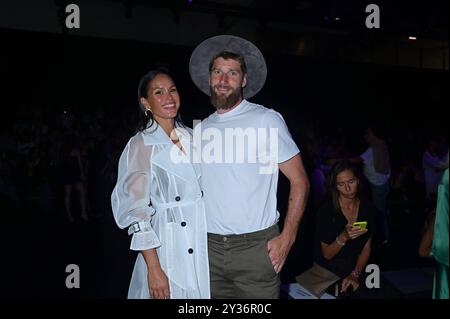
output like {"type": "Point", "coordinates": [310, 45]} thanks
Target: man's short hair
{"type": "Point", "coordinates": [226, 55]}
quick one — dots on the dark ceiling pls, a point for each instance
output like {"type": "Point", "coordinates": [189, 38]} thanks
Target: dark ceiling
{"type": "Point", "coordinates": [428, 19]}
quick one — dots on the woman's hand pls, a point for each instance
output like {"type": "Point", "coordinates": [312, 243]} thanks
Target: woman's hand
{"type": "Point", "coordinates": [158, 284]}
{"type": "Point", "coordinates": [350, 280]}
{"type": "Point", "coordinates": [351, 232]}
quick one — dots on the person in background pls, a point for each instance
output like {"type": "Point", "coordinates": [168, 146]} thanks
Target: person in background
{"type": "Point", "coordinates": [340, 247]}
{"type": "Point", "coordinates": [434, 242]}
{"type": "Point", "coordinates": [440, 246]}
{"type": "Point", "coordinates": [434, 162]}
{"type": "Point", "coordinates": [426, 241]}
{"type": "Point", "coordinates": [377, 170]}
{"type": "Point", "coordinates": [73, 175]}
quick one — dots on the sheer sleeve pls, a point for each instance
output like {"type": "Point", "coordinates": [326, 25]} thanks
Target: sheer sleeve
{"type": "Point", "coordinates": [130, 198]}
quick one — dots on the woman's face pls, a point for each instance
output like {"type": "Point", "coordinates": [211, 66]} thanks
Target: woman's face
{"type": "Point", "coordinates": [162, 98]}
{"type": "Point", "coordinates": [347, 184]}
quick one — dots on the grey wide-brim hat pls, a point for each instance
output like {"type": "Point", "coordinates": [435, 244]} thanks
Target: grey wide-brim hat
{"type": "Point", "coordinates": [205, 51]}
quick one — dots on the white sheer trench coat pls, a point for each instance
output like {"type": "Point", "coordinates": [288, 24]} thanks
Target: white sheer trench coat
{"type": "Point", "coordinates": [164, 197]}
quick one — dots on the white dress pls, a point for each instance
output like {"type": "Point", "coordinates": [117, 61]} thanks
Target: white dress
{"type": "Point", "coordinates": [163, 196]}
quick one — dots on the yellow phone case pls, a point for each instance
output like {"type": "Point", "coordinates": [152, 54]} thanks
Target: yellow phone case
{"type": "Point", "coordinates": [362, 225]}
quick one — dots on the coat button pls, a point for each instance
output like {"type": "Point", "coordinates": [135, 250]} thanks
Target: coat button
{"type": "Point", "coordinates": [190, 250]}
{"type": "Point", "coordinates": [178, 198]}
{"type": "Point", "coordinates": [183, 224]}
{"type": "Point", "coordinates": [202, 193]}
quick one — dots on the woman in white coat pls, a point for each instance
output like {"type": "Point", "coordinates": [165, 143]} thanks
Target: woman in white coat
{"type": "Point", "coordinates": [158, 197]}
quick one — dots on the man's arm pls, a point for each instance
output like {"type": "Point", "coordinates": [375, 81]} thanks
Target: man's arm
{"type": "Point", "coordinates": [426, 241]}
{"type": "Point", "coordinates": [279, 246]}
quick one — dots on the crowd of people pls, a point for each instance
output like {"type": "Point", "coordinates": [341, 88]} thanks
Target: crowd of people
{"type": "Point", "coordinates": [58, 159]}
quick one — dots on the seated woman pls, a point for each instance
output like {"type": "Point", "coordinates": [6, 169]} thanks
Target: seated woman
{"type": "Point", "coordinates": [340, 247]}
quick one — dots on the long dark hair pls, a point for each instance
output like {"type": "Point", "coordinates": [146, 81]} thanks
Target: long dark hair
{"type": "Point", "coordinates": [336, 169]}
{"type": "Point", "coordinates": [146, 118]}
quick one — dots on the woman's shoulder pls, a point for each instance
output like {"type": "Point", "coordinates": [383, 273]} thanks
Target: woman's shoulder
{"type": "Point", "coordinates": [326, 217]}
{"type": "Point", "coordinates": [140, 141]}
{"type": "Point", "coordinates": [137, 139]}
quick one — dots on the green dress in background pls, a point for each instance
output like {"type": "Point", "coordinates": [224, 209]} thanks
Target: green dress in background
{"type": "Point", "coordinates": [440, 246]}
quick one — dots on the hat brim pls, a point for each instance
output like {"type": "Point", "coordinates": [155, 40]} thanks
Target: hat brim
{"type": "Point", "coordinates": [205, 51]}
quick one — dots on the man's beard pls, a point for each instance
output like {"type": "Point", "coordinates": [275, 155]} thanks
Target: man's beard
{"type": "Point", "coordinates": [223, 102]}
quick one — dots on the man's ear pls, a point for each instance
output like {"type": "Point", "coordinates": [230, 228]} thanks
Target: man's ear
{"type": "Point", "coordinates": [244, 81]}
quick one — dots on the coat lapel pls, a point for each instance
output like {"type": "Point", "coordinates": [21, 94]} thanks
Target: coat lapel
{"type": "Point", "coordinates": [186, 141]}
{"type": "Point", "coordinates": [170, 158]}
{"type": "Point", "coordinates": [154, 135]}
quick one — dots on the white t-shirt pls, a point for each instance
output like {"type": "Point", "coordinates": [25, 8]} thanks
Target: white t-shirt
{"type": "Point", "coordinates": [240, 179]}
{"type": "Point", "coordinates": [369, 169]}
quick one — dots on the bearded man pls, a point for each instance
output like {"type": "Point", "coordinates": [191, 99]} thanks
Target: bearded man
{"type": "Point", "coordinates": [246, 249]}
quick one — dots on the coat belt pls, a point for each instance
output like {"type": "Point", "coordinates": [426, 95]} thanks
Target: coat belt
{"type": "Point", "coordinates": [180, 203]}
{"type": "Point", "coordinates": [142, 225]}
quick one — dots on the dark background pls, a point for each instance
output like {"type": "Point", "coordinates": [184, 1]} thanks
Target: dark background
{"type": "Point", "coordinates": [45, 74]}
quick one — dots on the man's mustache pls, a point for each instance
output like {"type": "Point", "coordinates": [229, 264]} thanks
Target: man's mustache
{"type": "Point", "coordinates": [219, 86]}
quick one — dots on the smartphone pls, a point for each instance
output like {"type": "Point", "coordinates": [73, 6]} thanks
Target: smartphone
{"type": "Point", "coordinates": [362, 225]}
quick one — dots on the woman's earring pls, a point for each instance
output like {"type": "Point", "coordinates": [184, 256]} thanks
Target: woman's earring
{"type": "Point", "coordinates": [147, 111]}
